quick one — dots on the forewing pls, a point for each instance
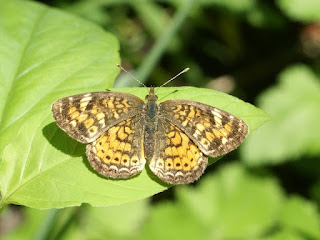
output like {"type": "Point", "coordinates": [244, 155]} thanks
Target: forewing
{"type": "Point", "coordinates": [85, 116]}
{"type": "Point", "coordinates": [215, 131]}
{"type": "Point", "coordinates": [176, 159]}
{"type": "Point", "coordinates": [118, 152]}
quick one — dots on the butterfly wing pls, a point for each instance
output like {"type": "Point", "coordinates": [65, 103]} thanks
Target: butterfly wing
{"type": "Point", "coordinates": [118, 152]}
{"type": "Point", "coordinates": [213, 130]}
{"type": "Point", "coordinates": [176, 159]}
{"type": "Point", "coordinates": [85, 116]}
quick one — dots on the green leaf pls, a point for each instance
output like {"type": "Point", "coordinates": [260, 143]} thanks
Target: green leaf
{"type": "Point", "coordinates": [44, 168]}
{"type": "Point", "coordinates": [304, 11]}
{"type": "Point", "coordinates": [315, 191]}
{"type": "Point", "coordinates": [46, 54]}
{"type": "Point", "coordinates": [294, 131]}
{"type": "Point", "coordinates": [131, 215]}
{"type": "Point", "coordinates": [265, 16]}
{"type": "Point", "coordinates": [230, 204]}
{"type": "Point", "coordinates": [301, 216]}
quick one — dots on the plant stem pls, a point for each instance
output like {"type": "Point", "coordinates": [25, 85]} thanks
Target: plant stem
{"type": "Point", "coordinates": [47, 225]}
{"type": "Point", "coordinates": [2, 207]}
{"type": "Point", "coordinates": [159, 48]}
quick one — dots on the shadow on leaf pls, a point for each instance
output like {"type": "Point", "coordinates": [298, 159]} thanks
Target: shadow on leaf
{"type": "Point", "coordinates": [61, 141]}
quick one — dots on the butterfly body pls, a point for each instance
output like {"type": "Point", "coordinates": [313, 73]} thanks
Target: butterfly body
{"type": "Point", "coordinates": [123, 132]}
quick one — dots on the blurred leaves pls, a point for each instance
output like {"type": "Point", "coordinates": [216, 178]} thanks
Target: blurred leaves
{"type": "Point", "coordinates": [304, 11]}
{"type": "Point", "coordinates": [25, 229]}
{"type": "Point", "coordinates": [294, 104]}
{"type": "Point", "coordinates": [296, 209]}
{"type": "Point", "coordinates": [126, 221]}
{"type": "Point", "coordinates": [160, 45]}
{"type": "Point", "coordinates": [82, 223]}
{"type": "Point", "coordinates": [232, 203]}
{"type": "Point", "coordinates": [232, 5]}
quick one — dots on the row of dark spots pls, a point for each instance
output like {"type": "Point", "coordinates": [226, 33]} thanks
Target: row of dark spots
{"type": "Point", "coordinates": [117, 159]}
{"type": "Point", "coordinates": [177, 164]}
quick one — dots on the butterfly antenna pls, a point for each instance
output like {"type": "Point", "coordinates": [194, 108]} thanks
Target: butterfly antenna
{"type": "Point", "coordinates": [119, 66]}
{"type": "Point", "coordinates": [171, 79]}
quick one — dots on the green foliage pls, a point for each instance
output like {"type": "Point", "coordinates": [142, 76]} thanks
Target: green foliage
{"type": "Point", "coordinates": [294, 104]}
{"type": "Point", "coordinates": [304, 11]}
{"type": "Point", "coordinates": [28, 229]}
{"type": "Point", "coordinates": [296, 209]}
{"type": "Point", "coordinates": [233, 5]}
{"type": "Point", "coordinates": [70, 225]}
{"type": "Point", "coordinates": [233, 204]}
{"type": "Point", "coordinates": [130, 215]}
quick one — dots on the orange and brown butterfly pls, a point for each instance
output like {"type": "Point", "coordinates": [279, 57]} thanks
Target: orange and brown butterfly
{"type": "Point", "coordinates": [123, 132]}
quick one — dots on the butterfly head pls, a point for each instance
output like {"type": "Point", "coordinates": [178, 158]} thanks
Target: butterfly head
{"type": "Point", "coordinates": [151, 97]}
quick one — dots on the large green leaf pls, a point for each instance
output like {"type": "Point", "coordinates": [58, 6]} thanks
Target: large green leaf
{"type": "Point", "coordinates": [294, 104]}
{"type": "Point", "coordinates": [44, 54]}
{"type": "Point", "coordinates": [44, 168]}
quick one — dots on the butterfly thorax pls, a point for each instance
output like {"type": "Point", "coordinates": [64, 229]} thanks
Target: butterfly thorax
{"type": "Point", "coordinates": [151, 106]}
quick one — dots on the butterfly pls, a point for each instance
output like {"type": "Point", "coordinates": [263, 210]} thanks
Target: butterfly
{"type": "Point", "coordinates": [123, 132]}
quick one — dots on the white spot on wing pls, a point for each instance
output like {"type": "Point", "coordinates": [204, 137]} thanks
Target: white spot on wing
{"type": "Point", "coordinates": [73, 123]}
{"type": "Point", "coordinates": [113, 167]}
{"type": "Point", "coordinates": [83, 104]}
{"type": "Point", "coordinates": [217, 119]}
{"type": "Point", "coordinates": [179, 174]}
{"type": "Point", "coordinates": [86, 99]}
{"type": "Point", "coordinates": [216, 113]}
{"type": "Point", "coordinates": [224, 141]}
